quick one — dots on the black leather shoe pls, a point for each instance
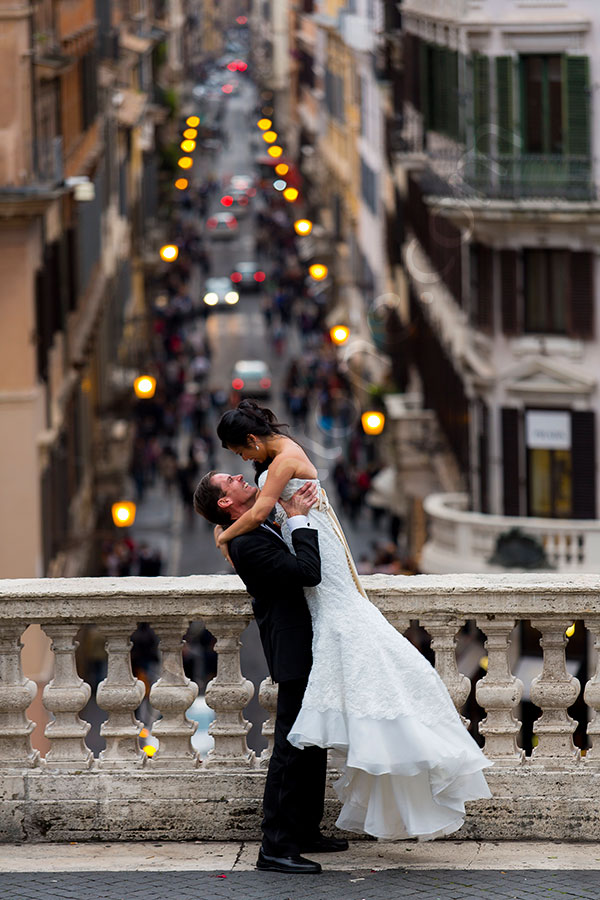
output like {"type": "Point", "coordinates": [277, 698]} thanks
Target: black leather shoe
{"type": "Point", "coordinates": [324, 844]}
{"type": "Point", "coordinates": [293, 865]}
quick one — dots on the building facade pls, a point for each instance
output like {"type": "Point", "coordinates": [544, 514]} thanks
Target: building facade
{"type": "Point", "coordinates": [494, 151]}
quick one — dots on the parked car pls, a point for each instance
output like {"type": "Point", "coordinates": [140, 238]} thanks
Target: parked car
{"type": "Point", "coordinates": [250, 378]}
{"type": "Point", "coordinates": [222, 225]}
{"type": "Point", "coordinates": [248, 275]}
{"type": "Point", "coordinates": [218, 292]}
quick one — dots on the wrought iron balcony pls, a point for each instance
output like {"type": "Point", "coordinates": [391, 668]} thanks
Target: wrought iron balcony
{"type": "Point", "coordinates": [528, 175]}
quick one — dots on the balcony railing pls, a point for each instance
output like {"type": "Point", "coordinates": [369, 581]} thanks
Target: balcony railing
{"type": "Point", "coordinates": [122, 794]}
{"type": "Point", "coordinates": [466, 171]}
{"type": "Point", "coordinates": [528, 175]}
{"type": "Point", "coordinates": [460, 540]}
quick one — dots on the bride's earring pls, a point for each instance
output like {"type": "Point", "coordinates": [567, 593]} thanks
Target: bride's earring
{"type": "Point", "coordinates": [257, 447]}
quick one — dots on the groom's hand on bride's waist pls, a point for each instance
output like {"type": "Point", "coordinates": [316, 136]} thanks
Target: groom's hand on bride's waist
{"type": "Point", "coordinates": [301, 502]}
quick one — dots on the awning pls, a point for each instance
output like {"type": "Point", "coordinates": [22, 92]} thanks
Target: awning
{"type": "Point", "coordinates": [136, 44]}
{"type": "Point", "coordinates": [131, 108]}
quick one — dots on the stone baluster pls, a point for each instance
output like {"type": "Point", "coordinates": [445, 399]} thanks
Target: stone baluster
{"type": "Point", "coordinates": [172, 695]}
{"type": "Point", "coordinates": [228, 693]}
{"type": "Point", "coordinates": [591, 695]}
{"type": "Point", "coordinates": [267, 696]}
{"type": "Point", "coordinates": [65, 696]}
{"type": "Point", "coordinates": [498, 693]}
{"type": "Point", "coordinates": [16, 693]}
{"type": "Point", "coordinates": [443, 643]}
{"type": "Point", "coordinates": [554, 691]}
{"type": "Point", "coordinates": [120, 694]}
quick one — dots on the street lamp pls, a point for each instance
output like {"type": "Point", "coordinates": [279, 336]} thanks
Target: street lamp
{"type": "Point", "coordinates": [181, 184]}
{"type": "Point", "coordinates": [318, 271]}
{"type": "Point", "coordinates": [303, 226]}
{"type": "Point", "coordinates": [188, 146]}
{"type": "Point", "coordinates": [290, 193]}
{"type": "Point", "coordinates": [192, 121]}
{"type": "Point", "coordinates": [269, 136]}
{"type": "Point", "coordinates": [372, 422]}
{"type": "Point", "coordinates": [169, 252]}
{"type": "Point", "coordinates": [190, 134]}
{"type": "Point", "coordinates": [185, 162]}
{"type": "Point", "coordinates": [275, 151]}
{"type": "Point", "coordinates": [144, 386]}
{"type": "Point", "coordinates": [264, 124]}
{"type": "Point", "coordinates": [339, 334]}
{"type": "Point", "coordinates": [282, 168]}
{"type": "Point", "coordinates": [123, 513]}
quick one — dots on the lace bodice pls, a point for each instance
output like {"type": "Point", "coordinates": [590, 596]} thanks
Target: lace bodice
{"type": "Point", "coordinates": [358, 656]}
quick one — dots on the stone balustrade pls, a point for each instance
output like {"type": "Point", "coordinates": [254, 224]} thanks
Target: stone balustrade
{"type": "Point", "coordinates": [464, 541]}
{"type": "Point", "coordinates": [123, 794]}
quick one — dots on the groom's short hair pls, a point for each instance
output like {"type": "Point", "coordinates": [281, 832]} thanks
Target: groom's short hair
{"type": "Point", "coordinates": [206, 501]}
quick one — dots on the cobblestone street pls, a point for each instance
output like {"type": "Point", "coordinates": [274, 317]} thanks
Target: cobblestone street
{"type": "Point", "coordinates": [437, 884]}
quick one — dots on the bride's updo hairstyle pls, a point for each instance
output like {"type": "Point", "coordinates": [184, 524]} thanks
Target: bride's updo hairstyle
{"type": "Point", "coordinates": [247, 418]}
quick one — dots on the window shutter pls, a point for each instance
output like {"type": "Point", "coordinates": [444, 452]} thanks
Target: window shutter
{"type": "Point", "coordinates": [583, 450]}
{"type": "Point", "coordinates": [505, 105]}
{"type": "Point", "coordinates": [481, 103]}
{"type": "Point", "coordinates": [453, 123]}
{"type": "Point", "coordinates": [509, 299]}
{"type": "Point", "coordinates": [577, 105]}
{"type": "Point", "coordinates": [485, 300]}
{"type": "Point", "coordinates": [484, 492]}
{"type": "Point", "coordinates": [581, 304]}
{"type": "Point", "coordinates": [424, 78]}
{"type": "Point", "coordinates": [511, 470]}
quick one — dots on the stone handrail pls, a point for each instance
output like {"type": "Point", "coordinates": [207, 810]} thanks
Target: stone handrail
{"type": "Point", "coordinates": [69, 795]}
{"type": "Point", "coordinates": [461, 540]}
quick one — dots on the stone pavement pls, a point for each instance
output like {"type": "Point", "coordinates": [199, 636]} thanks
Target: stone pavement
{"type": "Point", "coordinates": [371, 870]}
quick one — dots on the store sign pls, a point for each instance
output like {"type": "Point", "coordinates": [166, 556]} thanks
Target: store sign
{"type": "Point", "coordinates": [548, 430]}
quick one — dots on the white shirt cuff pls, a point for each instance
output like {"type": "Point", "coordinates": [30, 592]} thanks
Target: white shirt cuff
{"type": "Point", "coordinates": [298, 522]}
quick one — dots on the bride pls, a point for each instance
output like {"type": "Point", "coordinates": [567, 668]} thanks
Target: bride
{"type": "Point", "coordinates": [409, 763]}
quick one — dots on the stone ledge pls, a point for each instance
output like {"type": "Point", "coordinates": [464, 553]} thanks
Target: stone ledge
{"type": "Point", "coordinates": [527, 803]}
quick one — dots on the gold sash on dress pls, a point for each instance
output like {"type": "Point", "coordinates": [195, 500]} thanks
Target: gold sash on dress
{"type": "Point", "coordinates": [325, 506]}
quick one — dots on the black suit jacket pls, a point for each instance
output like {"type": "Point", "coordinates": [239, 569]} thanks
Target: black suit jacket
{"type": "Point", "coordinates": [275, 579]}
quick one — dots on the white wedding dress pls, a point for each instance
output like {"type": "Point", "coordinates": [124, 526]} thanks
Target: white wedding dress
{"type": "Point", "coordinates": [409, 764]}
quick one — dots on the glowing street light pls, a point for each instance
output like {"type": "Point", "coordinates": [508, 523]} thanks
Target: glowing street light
{"type": "Point", "coordinates": [275, 151]}
{"type": "Point", "coordinates": [181, 184]}
{"type": "Point", "coordinates": [339, 334]}
{"type": "Point", "coordinates": [290, 193]}
{"type": "Point", "coordinates": [318, 271]}
{"type": "Point", "coordinates": [144, 386]}
{"type": "Point", "coordinates": [303, 226]}
{"type": "Point", "coordinates": [264, 124]}
{"type": "Point", "coordinates": [188, 146]}
{"type": "Point", "coordinates": [123, 513]}
{"type": "Point", "coordinates": [192, 121]}
{"type": "Point", "coordinates": [190, 134]}
{"type": "Point", "coordinates": [185, 162]}
{"type": "Point", "coordinates": [282, 168]}
{"type": "Point", "coordinates": [269, 136]}
{"type": "Point", "coordinates": [169, 252]}
{"type": "Point", "coordinates": [372, 422]}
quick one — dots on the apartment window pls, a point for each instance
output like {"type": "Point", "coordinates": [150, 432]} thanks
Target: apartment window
{"type": "Point", "coordinates": [542, 91]}
{"type": "Point", "coordinates": [546, 290]}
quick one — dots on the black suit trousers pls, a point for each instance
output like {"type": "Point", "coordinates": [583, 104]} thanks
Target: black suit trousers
{"type": "Point", "coordinates": [295, 788]}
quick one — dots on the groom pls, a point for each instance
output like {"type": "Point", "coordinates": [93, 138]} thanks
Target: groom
{"type": "Point", "coordinates": [295, 786]}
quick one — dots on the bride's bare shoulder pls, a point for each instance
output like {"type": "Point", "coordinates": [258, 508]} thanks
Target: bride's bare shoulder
{"type": "Point", "coordinates": [294, 459]}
